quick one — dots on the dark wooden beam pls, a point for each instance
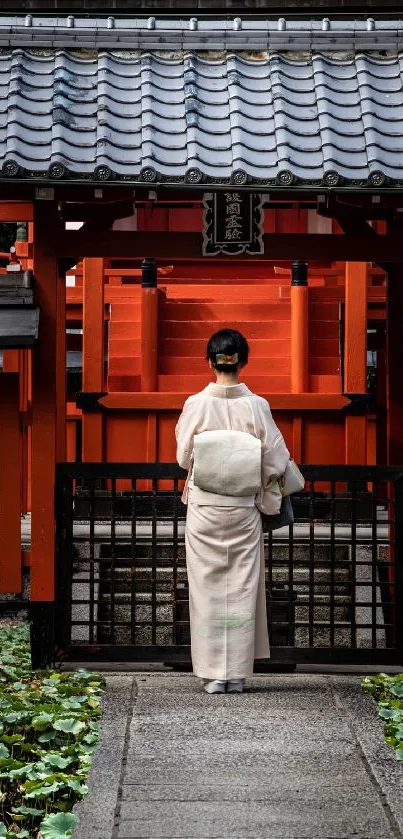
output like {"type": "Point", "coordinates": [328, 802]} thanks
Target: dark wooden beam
{"type": "Point", "coordinates": [375, 212]}
{"type": "Point", "coordinates": [75, 193]}
{"type": "Point", "coordinates": [365, 200]}
{"type": "Point", "coordinates": [97, 211]}
{"type": "Point", "coordinates": [168, 401]}
{"type": "Point", "coordinates": [169, 245]}
{"type": "Point", "coordinates": [353, 222]}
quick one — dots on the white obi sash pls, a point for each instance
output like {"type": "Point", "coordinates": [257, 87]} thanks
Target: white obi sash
{"type": "Point", "coordinates": [228, 465]}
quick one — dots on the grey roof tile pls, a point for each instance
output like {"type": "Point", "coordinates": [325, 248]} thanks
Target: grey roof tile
{"type": "Point", "coordinates": [191, 33]}
{"type": "Point", "coordinates": [143, 118]}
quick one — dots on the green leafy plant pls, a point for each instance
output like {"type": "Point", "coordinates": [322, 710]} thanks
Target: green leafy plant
{"type": "Point", "coordinates": [49, 724]}
{"type": "Point", "coordinates": [58, 825]}
{"type": "Point", "coordinates": [388, 693]}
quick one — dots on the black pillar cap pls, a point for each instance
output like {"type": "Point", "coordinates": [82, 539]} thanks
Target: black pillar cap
{"type": "Point", "coordinates": [149, 273]}
{"type": "Point", "coordinates": [299, 273]}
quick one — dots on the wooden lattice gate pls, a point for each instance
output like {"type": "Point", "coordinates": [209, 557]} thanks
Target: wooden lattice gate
{"type": "Point", "coordinates": [333, 578]}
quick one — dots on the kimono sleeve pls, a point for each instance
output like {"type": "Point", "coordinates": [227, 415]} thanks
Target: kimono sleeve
{"type": "Point", "coordinates": [275, 455]}
{"type": "Point", "coordinates": [185, 430]}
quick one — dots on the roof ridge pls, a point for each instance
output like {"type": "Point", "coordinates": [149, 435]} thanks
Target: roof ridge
{"type": "Point", "coordinates": [203, 32]}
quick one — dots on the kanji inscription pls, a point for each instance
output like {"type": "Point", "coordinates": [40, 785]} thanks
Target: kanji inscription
{"type": "Point", "coordinates": [233, 223]}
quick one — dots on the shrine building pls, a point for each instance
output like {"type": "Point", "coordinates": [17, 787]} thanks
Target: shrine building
{"type": "Point", "coordinates": [172, 172]}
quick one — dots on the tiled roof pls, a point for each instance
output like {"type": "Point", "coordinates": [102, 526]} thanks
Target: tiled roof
{"type": "Point", "coordinates": [153, 33]}
{"type": "Point", "coordinates": [255, 119]}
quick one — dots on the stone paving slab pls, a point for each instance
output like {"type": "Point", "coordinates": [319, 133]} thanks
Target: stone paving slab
{"type": "Point", "coordinates": [298, 756]}
{"type": "Point", "coordinates": [237, 787]}
{"type": "Point", "coordinates": [97, 812]}
{"type": "Point", "coordinates": [216, 820]}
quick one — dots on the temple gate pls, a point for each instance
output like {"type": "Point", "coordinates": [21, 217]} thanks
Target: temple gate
{"type": "Point", "coordinates": [124, 284]}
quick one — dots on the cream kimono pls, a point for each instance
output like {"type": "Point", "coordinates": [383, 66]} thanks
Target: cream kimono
{"type": "Point", "coordinates": [224, 539]}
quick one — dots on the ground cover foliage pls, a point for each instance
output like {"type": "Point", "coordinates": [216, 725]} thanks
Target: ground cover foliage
{"type": "Point", "coordinates": [388, 693]}
{"type": "Point", "coordinates": [49, 724]}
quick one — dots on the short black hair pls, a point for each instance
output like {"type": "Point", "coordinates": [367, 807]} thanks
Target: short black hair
{"type": "Point", "coordinates": [227, 342]}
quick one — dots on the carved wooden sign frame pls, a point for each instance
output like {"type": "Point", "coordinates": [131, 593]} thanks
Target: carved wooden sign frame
{"type": "Point", "coordinates": [232, 223]}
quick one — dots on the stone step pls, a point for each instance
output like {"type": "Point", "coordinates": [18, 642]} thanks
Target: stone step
{"type": "Point", "coordinates": [123, 579]}
{"type": "Point", "coordinates": [165, 551]}
{"type": "Point", "coordinates": [164, 630]}
{"type": "Point", "coordinates": [164, 607]}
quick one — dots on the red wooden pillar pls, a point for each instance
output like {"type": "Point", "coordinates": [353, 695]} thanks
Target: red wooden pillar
{"type": "Point", "coordinates": [394, 425]}
{"type": "Point", "coordinates": [18, 362]}
{"type": "Point", "coordinates": [93, 356]}
{"type": "Point", "coordinates": [394, 393]}
{"type": "Point", "coordinates": [355, 357]}
{"type": "Point", "coordinates": [48, 407]}
{"type": "Point", "coordinates": [23, 249]}
{"type": "Point", "coordinates": [299, 328]}
{"type": "Point", "coordinates": [25, 406]}
{"type": "Point", "coordinates": [61, 372]}
{"type": "Point", "coordinates": [10, 484]}
{"type": "Point", "coordinates": [11, 361]}
{"type": "Point", "coordinates": [149, 326]}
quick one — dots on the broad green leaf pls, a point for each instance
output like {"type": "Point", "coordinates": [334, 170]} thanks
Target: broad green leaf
{"type": "Point", "coordinates": [42, 720]}
{"type": "Point", "coordinates": [69, 725]}
{"type": "Point", "coordinates": [9, 763]}
{"type": "Point", "coordinates": [58, 825]}
{"type": "Point", "coordinates": [91, 739]}
{"type": "Point", "coordinates": [77, 787]}
{"type": "Point", "coordinates": [70, 704]}
{"type": "Point", "coordinates": [64, 805]}
{"type": "Point", "coordinates": [12, 738]}
{"type": "Point", "coordinates": [46, 716]}
{"type": "Point", "coordinates": [47, 737]}
{"type": "Point", "coordinates": [397, 690]}
{"type": "Point", "coordinates": [389, 713]}
{"type": "Point", "coordinates": [27, 811]}
{"type": "Point", "coordinates": [23, 771]}
{"type": "Point", "coordinates": [45, 791]}
{"type": "Point", "coordinates": [3, 829]}
{"type": "Point", "coordinates": [399, 753]}
{"type": "Point", "coordinates": [15, 716]}
{"type": "Point", "coordinates": [31, 772]}
{"type": "Point", "coordinates": [57, 761]}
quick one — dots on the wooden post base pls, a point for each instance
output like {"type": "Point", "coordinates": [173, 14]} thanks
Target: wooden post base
{"type": "Point", "coordinates": [41, 620]}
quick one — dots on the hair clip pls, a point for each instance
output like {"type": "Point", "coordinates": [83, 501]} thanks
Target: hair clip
{"type": "Point", "coordinates": [226, 359]}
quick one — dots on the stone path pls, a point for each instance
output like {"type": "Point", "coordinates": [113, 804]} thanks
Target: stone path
{"type": "Point", "coordinates": [296, 757]}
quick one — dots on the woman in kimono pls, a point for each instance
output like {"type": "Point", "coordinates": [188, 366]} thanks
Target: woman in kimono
{"type": "Point", "coordinates": [224, 537]}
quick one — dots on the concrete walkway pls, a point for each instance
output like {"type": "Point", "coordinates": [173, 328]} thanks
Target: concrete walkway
{"type": "Point", "coordinates": [296, 757]}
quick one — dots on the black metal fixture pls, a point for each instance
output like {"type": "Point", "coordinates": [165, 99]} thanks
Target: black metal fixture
{"type": "Point", "coordinates": [299, 273]}
{"type": "Point", "coordinates": [149, 273]}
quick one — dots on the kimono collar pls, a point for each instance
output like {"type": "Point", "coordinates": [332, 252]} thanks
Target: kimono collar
{"type": "Point", "coordinates": [228, 391]}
